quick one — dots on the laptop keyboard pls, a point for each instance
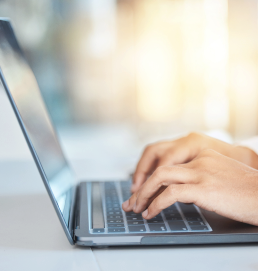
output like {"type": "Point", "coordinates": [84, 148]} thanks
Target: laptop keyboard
{"type": "Point", "coordinates": [179, 217]}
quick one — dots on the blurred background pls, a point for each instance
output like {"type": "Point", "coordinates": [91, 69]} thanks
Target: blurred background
{"type": "Point", "coordinates": [117, 74]}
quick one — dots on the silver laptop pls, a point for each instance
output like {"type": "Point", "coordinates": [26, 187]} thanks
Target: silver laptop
{"type": "Point", "coordinates": [90, 212]}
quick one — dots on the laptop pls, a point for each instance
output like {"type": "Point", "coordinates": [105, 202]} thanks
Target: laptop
{"type": "Point", "coordinates": [90, 212]}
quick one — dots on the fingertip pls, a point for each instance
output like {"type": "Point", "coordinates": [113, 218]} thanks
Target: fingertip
{"type": "Point", "coordinates": [145, 214]}
{"type": "Point", "coordinates": [125, 205]}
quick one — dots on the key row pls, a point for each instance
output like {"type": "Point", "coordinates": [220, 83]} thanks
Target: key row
{"type": "Point", "coordinates": [136, 223]}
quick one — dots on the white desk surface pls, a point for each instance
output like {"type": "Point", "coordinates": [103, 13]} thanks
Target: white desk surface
{"type": "Point", "coordinates": [31, 237]}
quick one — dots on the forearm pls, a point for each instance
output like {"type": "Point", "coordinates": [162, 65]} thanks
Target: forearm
{"type": "Point", "coordinates": [247, 152]}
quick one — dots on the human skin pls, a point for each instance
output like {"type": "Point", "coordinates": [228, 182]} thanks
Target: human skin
{"type": "Point", "coordinates": [183, 150]}
{"type": "Point", "coordinates": [187, 170]}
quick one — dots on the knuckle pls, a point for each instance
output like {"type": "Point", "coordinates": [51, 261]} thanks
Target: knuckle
{"type": "Point", "coordinates": [207, 152]}
{"type": "Point", "coordinates": [205, 157]}
{"type": "Point", "coordinates": [160, 171]}
{"type": "Point", "coordinates": [176, 189]}
{"type": "Point", "coordinates": [149, 148]}
{"type": "Point", "coordinates": [171, 188]}
{"type": "Point", "coordinates": [193, 135]}
{"type": "Point", "coordinates": [203, 162]}
{"type": "Point", "coordinates": [166, 160]}
{"type": "Point", "coordinates": [168, 155]}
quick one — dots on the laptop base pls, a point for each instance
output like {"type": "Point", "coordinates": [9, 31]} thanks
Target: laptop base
{"type": "Point", "coordinates": [221, 230]}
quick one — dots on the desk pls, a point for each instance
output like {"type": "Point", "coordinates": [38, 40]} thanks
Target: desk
{"type": "Point", "coordinates": [31, 237]}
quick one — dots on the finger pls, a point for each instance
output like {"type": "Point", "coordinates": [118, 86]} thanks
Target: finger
{"type": "Point", "coordinates": [186, 193]}
{"type": "Point", "coordinates": [177, 155]}
{"type": "Point", "coordinates": [163, 176]}
{"type": "Point", "coordinates": [166, 160]}
{"type": "Point", "coordinates": [145, 167]}
{"type": "Point", "coordinates": [128, 204]}
{"type": "Point", "coordinates": [139, 178]}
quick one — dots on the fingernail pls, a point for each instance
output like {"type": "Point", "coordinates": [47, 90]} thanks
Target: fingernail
{"type": "Point", "coordinates": [145, 213]}
{"type": "Point", "coordinates": [126, 204]}
{"type": "Point", "coordinates": [134, 207]}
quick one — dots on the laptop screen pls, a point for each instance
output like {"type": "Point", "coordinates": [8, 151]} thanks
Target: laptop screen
{"type": "Point", "coordinates": [27, 98]}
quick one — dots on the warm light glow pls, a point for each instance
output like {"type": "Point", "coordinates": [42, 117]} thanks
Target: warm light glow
{"type": "Point", "coordinates": [182, 64]}
{"type": "Point", "coordinates": [156, 80]}
{"type": "Point", "coordinates": [183, 55]}
{"type": "Point", "coordinates": [215, 51]}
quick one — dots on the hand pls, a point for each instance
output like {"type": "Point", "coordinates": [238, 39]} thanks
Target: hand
{"type": "Point", "coordinates": [184, 150]}
{"type": "Point", "coordinates": [211, 181]}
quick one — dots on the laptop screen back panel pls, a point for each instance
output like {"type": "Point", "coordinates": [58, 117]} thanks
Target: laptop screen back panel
{"type": "Point", "coordinates": [25, 97]}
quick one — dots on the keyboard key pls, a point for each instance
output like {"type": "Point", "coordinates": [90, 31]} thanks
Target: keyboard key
{"type": "Point", "coordinates": [110, 213]}
{"type": "Point", "coordinates": [177, 226]}
{"type": "Point", "coordinates": [132, 214]}
{"type": "Point", "coordinates": [140, 228]}
{"type": "Point", "coordinates": [135, 222]}
{"type": "Point", "coordinates": [98, 230]}
{"type": "Point", "coordinates": [115, 221]}
{"type": "Point", "coordinates": [114, 209]}
{"type": "Point", "coordinates": [113, 202]}
{"type": "Point", "coordinates": [114, 217]}
{"type": "Point", "coordinates": [118, 213]}
{"type": "Point", "coordinates": [191, 214]}
{"type": "Point", "coordinates": [157, 227]}
{"type": "Point", "coordinates": [152, 221]}
{"type": "Point", "coordinates": [115, 225]}
{"type": "Point", "coordinates": [195, 223]}
{"type": "Point", "coordinates": [157, 217]}
{"type": "Point", "coordinates": [172, 207]}
{"type": "Point", "coordinates": [114, 213]}
{"type": "Point", "coordinates": [174, 218]}
{"type": "Point", "coordinates": [195, 218]}
{"type": "Point", "coordinates": [170, 212]}
{"type": "Point", "coordinates": [189, 210]}
{"type": "Point", "coordinates": [168, 216]}
{"type": "Point", "coordinates": [199, 228]}
{"type": "Point", "coordinates": [116, 229]}
{"type": "Point", "coordinates": [111, 199]}
{"type": "Point", "coordinates": [134, 218]}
